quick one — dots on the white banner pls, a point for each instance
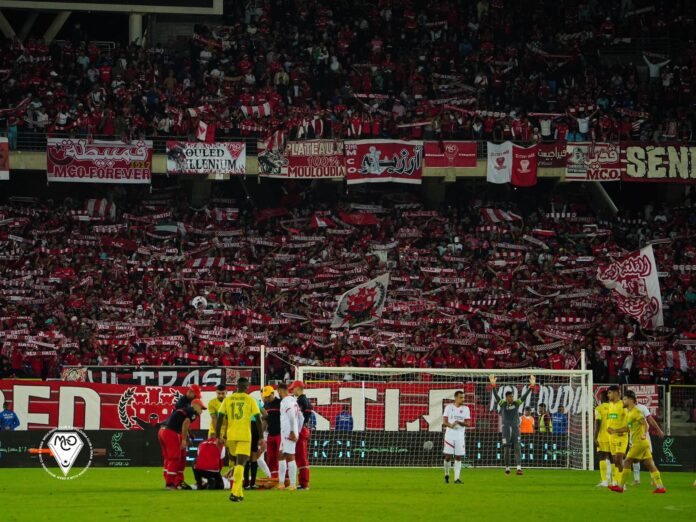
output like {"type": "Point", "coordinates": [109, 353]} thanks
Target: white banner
{"type": "Point", "coordinates": [499, 167]}
{"type": "Point", "coordinates": [206, 158]}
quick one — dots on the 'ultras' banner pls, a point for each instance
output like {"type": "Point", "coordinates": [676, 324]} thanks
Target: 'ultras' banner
{"type": "Point", "coordinates": [4, 160]}
{"type": "Point", "coordinates": [450, 154]}
{"type": "Point", "coordinates": [151, 375]}
{"type": "Point", "coordinates": [206, 158]}
{"type": "Point", "coordinates": [377, 161]}
{"type": "Point", "coordinates": [664, 163]}
{"type": "Point", "coordinates": [81, 161]}
{"type": "Point", "coordinates": [635, 286]}
{"type": "Point", "coordinates": [304, 160]}
{"type": "Point", "coordinates": [49, 404]}
{"type": "Point", "coordinates": [593, 162]}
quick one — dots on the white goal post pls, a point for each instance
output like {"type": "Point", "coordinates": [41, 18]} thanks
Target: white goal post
{"type": "Point", "coordinates": [393, 416]}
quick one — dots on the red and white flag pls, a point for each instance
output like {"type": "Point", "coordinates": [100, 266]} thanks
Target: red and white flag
{"type": "Point", "coordinates": [319, 221]}
{"type": "Point", "coordinates": [495, 215]}
{"type": "Point", "coordinates": [225, 214]}
{"type": "Point", "coordinates": [676, 359]}
{"type": "Point", "coordinates": [206, 262]}
{"type": "Point", "coordinates": [274, 143]}
{"type": "Point", "coordinates": [524, 166]}
{"type": "Point", "coordinates": [635, 286]}
{"type": "Point", "coordinates": [101, 208]}
{"type": "Point", "coordinates": [257, 110]}
{"type": "Point", "coordinates": [205, 132]}
{"type": "Point", "coordinates": [362, 304]}
{"type": "Point", "coordinates": [499, 166]}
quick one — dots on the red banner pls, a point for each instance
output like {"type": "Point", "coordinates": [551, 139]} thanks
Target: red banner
{"type": "Point", "coordinates": [4, 160]}
{"type": "Point", "coordinates": [79, 161]}
{"type": "Point", "coordinates": [49, 404]}
{"type": "Point", "coordinates": [663, 163]}
{"type": "Point", "coordinates": [552, 155]}
{"type": "Point", "coordinates": [524, 166]}
{"type": "Point", "coordinates": [648, 395]}
{"type": "Point", "coordinates": [379, 161]}
{"type": "Point", "coordinates": [450, 154]}
{"type": "Point", "coordinates": [305, 160]}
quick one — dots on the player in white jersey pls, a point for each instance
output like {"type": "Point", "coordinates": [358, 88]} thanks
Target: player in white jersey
{"type": "Point", "coordinates": [290, 415]}
{"type": "Point", "coordinates": [652, 423]}
{"type": "Point", "coordinates": [455, 418]}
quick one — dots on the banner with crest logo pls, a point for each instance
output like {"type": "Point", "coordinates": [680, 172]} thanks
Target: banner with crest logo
{"type": "Point", "coordinates": [450, 154]}
{"type": "Point", "coordinates": [362, 304]}
{"type": "Point", "coordinates": [635, 286]}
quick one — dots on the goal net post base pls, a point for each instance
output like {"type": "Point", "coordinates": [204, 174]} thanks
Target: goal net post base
{"type": "Point", "coordinates": [393, 417]}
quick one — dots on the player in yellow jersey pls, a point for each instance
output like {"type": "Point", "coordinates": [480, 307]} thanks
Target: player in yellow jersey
{"type": "Point", "coordinates": [601, 440]}
{"type": "Point", "coordinates": [618, 437]}
{"type": "Point", "coordinates": [640, 450]}
{"type": "Point", "coordinates": [238, 409]}
{"type": "Point", "coordinates": [214, 406]}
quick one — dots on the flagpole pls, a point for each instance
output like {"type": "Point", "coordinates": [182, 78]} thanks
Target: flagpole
{"type": "Point", "coordinates": [262, 377]}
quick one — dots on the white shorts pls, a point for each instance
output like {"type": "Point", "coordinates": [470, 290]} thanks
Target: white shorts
{"type": "Point", "coordinates": [454, 444]}
{"type": "Point", "coordinates": [286, 445]}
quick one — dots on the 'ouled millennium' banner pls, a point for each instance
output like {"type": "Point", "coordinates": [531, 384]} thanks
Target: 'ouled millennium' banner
{"type": "Point", "coordinates": [304, 160]}
{"type": "Point", "coordinates": [195, 157]}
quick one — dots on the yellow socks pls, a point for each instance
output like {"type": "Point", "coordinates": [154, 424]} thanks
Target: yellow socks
{"type": "Point", "coordinates": [603, 470]}
{"type": "Point", "coordinates": [657, 479]}
{"type": "Point", "coordinates": [615, 475]}
{"type": "Point", "coordinates": [623, 477]}
{"type": "Point", "coordinates": [238, 486]}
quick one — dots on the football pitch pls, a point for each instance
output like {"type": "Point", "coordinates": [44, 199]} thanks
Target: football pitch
{"type": "Point", "coordinates": [337, 494]}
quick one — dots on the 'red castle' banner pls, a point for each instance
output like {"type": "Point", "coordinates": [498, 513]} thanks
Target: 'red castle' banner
{"type": "Point", "coordinates": [450, 154]}
{"type": "Point", "coordinates": [593, 162]}
{"type": "Point", "coordinates": [552, 155]}
{"type": "Point", "coordinates": [380, 161]}
{"type": "Point", "coordinates": [185, 157]}
{"type": "Point", "coordinates": [81, 161]}
{"type": "Point", "coordinates": [304, 160]}
{"type": "Point", "coordinates": [663, 163]}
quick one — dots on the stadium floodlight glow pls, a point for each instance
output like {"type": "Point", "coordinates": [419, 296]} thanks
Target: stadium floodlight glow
{"type": "Point", "coordinates": [393, 416]}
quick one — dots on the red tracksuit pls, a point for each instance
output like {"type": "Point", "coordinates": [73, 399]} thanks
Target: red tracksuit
{"type": "Point", "coordinates": [170, 440]}
{"type": "Point", "coordinates": [273, 441]}
{"type": "Point", "coordinates": [302, 448]}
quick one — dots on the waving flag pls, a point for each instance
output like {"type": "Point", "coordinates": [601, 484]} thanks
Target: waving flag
{"type": "Point", "coordinates": [362, 304]}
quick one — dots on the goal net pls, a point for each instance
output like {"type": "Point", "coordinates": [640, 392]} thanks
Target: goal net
{"type": "Point", "coordinates": [393, 417]}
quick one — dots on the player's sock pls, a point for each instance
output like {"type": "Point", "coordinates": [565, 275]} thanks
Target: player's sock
{"type": "Point", "coordinates": [238, 486]}
{"type": "Point", "coordinates": [457, 469]}
{"type": "Point", "coordinates": [264, 467]}
{"type": "Point", "coordinates": [506, 456]}
{"type": "Point", "coordinates": [518, 456]}
{"type": "Point", "coordinates": [615, 473]}
{"type": "Point", "coordinates": [610, 469]}
{"type": "Point", "coordinates": [636, 471]}
{"type": "Point", "coordinates": [247, 469]}
{"type": "Point", "coordinates": [603, 470]}
{"type": "Point", "coordinates": [254, 471]}
{"type": "Point", "coordinates": [448, 464]}
{"type": "Point", "coordinates": [282, 468]}
{"type": "Point", "coordinates": [292, 471]}
{"type": "Point", "coordinates": [657, 479]}
{"type": "Point", "coordinates": [623, 477]}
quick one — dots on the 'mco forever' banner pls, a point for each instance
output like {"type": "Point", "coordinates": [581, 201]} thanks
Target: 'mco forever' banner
{"type": "Point", "coordinates": [304, 160]}
{"type": "Point", "coordinates": [378, 161]}
{"type": "Point", "coordinates": [664, 163]}
{"type": "Point", "coordinates": [206, 158]}
{"type": "Point", "coordinates": [81, 161]}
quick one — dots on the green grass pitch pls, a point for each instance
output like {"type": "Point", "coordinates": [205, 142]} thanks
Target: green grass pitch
{"type": "Point", "coordinates": [351, 494]}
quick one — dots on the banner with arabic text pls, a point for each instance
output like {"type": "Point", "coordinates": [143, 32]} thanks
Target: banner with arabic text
{"type": "Point", "coordinates": [186, 157]}
{"type": "Point", "coordinates": [593, 162]}
{"type": "Point", "coordinates": [82, 161]}
{"type": "Point", "coordinates": [379, 161]}
{"type": "Point", "coordinates": [552, 155]}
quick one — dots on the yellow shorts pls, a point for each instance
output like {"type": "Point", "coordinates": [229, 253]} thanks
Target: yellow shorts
{"type": "Point", "coordinates": [618, 444]}
{"type": "Point", "coordinates": [640, 451]}
{"type": "Point", "coordinates": [239, 447]}
{"type": "Point", "coordinates": [603, 446]}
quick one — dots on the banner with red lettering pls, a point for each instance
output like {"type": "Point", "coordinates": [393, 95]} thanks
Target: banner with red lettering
{"type": "Point", "coordinates": [524, 166]}
{"type": "Point", "coordinates": [4, 160]}
{"type": "Point", "coordinates": [663, 163]}
{"type": "Point", "coordinates": [82, 161]}
{"type": "Point", "coordinates": [450, 154]}
{"type": "Point", "coordinates": [304, 160]}
{"type": "Point", "coordinates": [187, 157]}
{"type": "Point", "coordinates": [593, 162]}
{"type": "Point", "coordinates": [635, 286]}
{"type": "Point", "coordinates": [552, 155]}
{"type": "Point", "coordinates": [380, 161]}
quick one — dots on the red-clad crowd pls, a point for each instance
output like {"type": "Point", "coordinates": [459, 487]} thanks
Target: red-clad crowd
{"type": "Point", "coordinates": [472, 286]}
{"type": "Point", "coordinates": [492, 69]}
